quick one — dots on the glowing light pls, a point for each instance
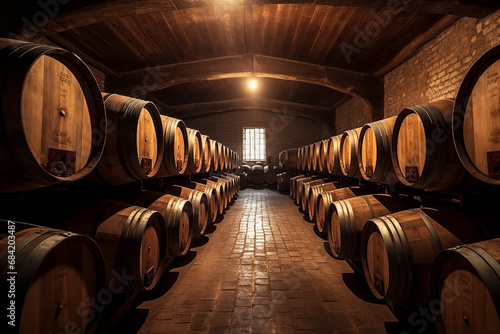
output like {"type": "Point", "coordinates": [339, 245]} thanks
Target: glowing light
{"type": "Point", "coordinates": [252, 84]}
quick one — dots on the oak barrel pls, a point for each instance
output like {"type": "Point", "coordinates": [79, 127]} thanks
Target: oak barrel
{"type": "Point", "coordinates": [270, 175]}
{"type": "Point", "coordinates": [305, 193]}
{"type": "Point", "coordinates": [348, 151]}
{"type": "Point", "coordinates": [57, 273]}
{"type": "Point", "coordinates": [423, 154]}
{"type": "Point", "coordinates": [195, 152]}
{"type": "Point", "coordinates": [374, 151]}
{"type": "Point", "coordinates": [293, 185]}
{"type": "Point", "coordinates": [347, 218]}
{"type": "Point", "coordinates": [54, 85]}
{"type": "Point", "coordinates": [325, 200]}
{"type": "Point", "coordinates": [133, 239]}
{"type": "Point", "coordinates": [476, 118]}
{"type": "Point", "coordinates": [283, 182]}
{"type": "Point", "coordinates": [214, 158]}
{"type": "Point", "coordinates": [257, 174]}
{"type": "Point", "coordinates": [175, 152]}
{"type": "Point", "coordinates": [221, 193]}
{"type": "Point", "coordinates": [207, 154]}
{"type": "Point", "coordinates": [312, 198]}
{"type": "Point", "coordinates": [222, 156]}
{"type": "Point", "coordinates": [177, 213]}
{"type": "Point", "coordinates": [333, 155]}
{"type": "Point", "coordinates": [199, 201]}
{"type": "Point", "coordinates": [134, 146]}
{"type": "Point", "coordinates": [298, 188]}
{"type": "Point", "coordinates": [464, 288]}
{"type": "Point", "coordinates": [399, 249]}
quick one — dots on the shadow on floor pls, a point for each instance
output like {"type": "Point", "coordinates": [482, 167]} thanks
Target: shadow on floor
{"type": "Point", "coordinates": [183, 260]}
{"type": "Point", "coordinates": [203, 240]}
{"type": "Point", "coordinates": [357, 284]}
{"type": "Point", "coordinates": [210, 229]}
{"type": "Point", "coordinates": [166, 282]}
{"type": "Point", "coordinates": [326, 245]}
{"type": "Point", "coordinates": [131, 322]}
{"type": "Point", "coordinates": [323, 236]}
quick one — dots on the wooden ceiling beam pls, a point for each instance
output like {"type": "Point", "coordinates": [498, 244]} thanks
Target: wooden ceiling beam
{"type": "Point", "coordinates": [141, 82]}
{"type": "Point", "coordinates": [279, 107]}
{"type": "Point", "coordinates": [111, 9]}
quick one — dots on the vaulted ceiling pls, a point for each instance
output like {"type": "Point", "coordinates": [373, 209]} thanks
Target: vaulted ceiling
{"type": "Point", "coordinates": [193, 57]}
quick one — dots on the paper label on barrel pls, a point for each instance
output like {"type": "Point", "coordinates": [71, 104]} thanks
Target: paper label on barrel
{"type": "Point", "coordinates": [60, 162]}
{"type": "Point", "coordinates": [149, 276]}
{"type": "Point", "coordinates": [369, 170]}
{"type": "Point", "coordinates": [493, 159]}
{"type": "Point", "coordinates": [179, 165]}
{"type": "Point", "coordinates": [411, 173]}
{"type": "Point", "coordinates": [147, 165]}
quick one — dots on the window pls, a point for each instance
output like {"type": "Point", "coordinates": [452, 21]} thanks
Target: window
{"type": "Point", "coordinates": [254, 144]}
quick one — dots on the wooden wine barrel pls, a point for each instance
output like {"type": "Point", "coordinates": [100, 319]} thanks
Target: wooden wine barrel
{"type": "Point", "coordinates": [399, 249]}
{"type": "Point", "coordinates": [54, 85]}
{"type": "Point", "coordinates": [57, 272]}
{"type": "Point", "coordinates": [300, 157]}
{"type": "Point", "coordinates": [270, 175]}
{"type": "Point", "coordinates": [465, 283]}
{"type": "Point", "coordinates": [211, 197]}
{"type": "Point", "coordinates": [312, 198]}
{"type": "Point", "coordinates": [195, 152]}
{"type": "Point", "coordinates": [257, 174]}
{"type": "Point", "coordinates": [229, 182]}
{"type": "Point", "coordinates": [290, 159]}
{"type": "Point", "coordinates": [305, 193]}
{"type": "Point", "coordinates": [207, 154]}
{"type": "Point", "coordinates": [293, 185]}
{"type": "Point", "coordinates": [228, 192]}
{"type": "Point", "coordinates": [134, 147]}
{"type": "Point", "coordinates": [322, 157]}
{"type": "Point", "coordinates": [220, 188]}
{"type": "Point", "coordinates": [349, 153]}
{"type": "Point", "coordinates": [175, 150]}
{"type": "Point", "coordinates": [222, 156]}
{"type": "Point", "coordinates": [333, 155]}
{"type": "Point", "coordinates": [326, 198]}
{"type": "Point", "coordinates": [199, 201]}
{"type": "Point", "coordinates": [236, 181]}
{"type": "Point", "coordinates": [283, 182]}
{"type": "Point", "coordinates": [298, 189]}
{"type": "Point", "coordinates": [132, 239]}
{"type": "Point", "coordinates": [476, 114]}
{"type": "Point", "coordinates": [214, 159]}
{"type": "Point", "coordinates": [347, 218]}
{"type": "Point", "coordinates": [423, 154]}
{"type": "Point", "coordinates": [310, 158]}
{"type": "Point", "coordinates": [243, 180]}
{"type": "Point", "coordinates": [374, 151]}
{"type": "Point", "coordinates": [177, 213]}
{"type": "Point", "coordinates": [315, 147]}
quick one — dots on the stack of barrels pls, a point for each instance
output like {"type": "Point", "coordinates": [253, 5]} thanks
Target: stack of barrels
{"type": "Point", "coordinates": [113, 239]}
{"type": "Point", "coordinates": [416, 251]}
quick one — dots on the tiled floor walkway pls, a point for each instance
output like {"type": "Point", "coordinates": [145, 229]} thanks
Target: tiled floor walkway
{"type": "Point", "coordinates": [263, 270]}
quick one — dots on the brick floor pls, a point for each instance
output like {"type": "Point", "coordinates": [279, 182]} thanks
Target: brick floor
{"type": "Point", "coordinates": [263, 270]}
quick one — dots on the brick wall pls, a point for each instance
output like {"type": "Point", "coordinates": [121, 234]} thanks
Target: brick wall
{"type": "Point", "coordinates": [352, 114]}
{"type": "Point", "coordinates": [434, 72]}
{"type": "Point", "coordinates": [437, 70]}
{"type": "Point", "coordinates": [282, 131]}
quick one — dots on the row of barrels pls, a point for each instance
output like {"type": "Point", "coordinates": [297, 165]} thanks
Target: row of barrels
{"type": "Point", "coordinates": [443, 258]}
{"type": "Point", "coordinates": [96, 249]}
{"type": "Point", "coordinates": [57, 126]}
{"type": "Point", "coordinates": [259, 174]}
{"type": "Point", "coordinates": [429, 146]}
